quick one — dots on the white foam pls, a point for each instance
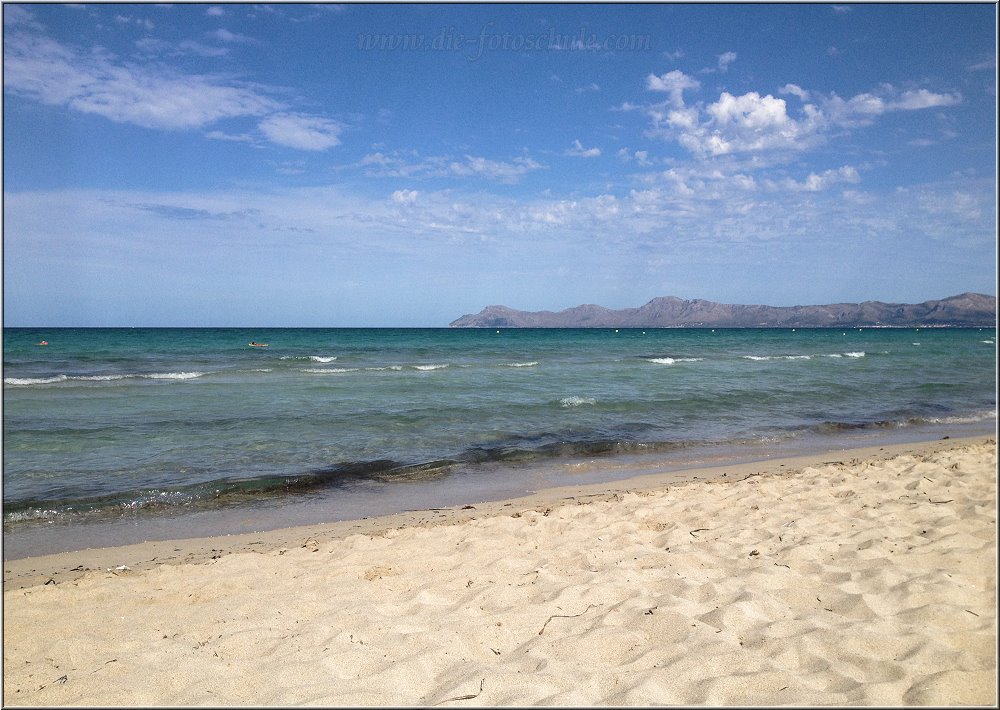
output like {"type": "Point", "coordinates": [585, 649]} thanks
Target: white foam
{"type": "Point", "coordinates": [426, 368]}
{"type": "Point", "coordinates": [102, 378]}
{"type": "Point", "coordinates": [969, 419]}
{"type": "Point", "coordinates": [576, 401]}
{"type": "Point", "coordinates": [672, 360]}
{"type": "Point", "coordinates": [522, 364]}
{"type": "Point", "coordinates": [34, 380]}
{"type": "Point", "coordinates": [860, 353]}
{"type": "Point", "coordinates": [330, 370]}
{"type": "Point", "coordinates": [322, 358]}
{"type": "Point", "coordinates": [173, 375]}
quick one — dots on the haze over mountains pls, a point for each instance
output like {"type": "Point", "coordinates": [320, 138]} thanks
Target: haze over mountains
{"type": "Point", "coordinates": [967, 309]}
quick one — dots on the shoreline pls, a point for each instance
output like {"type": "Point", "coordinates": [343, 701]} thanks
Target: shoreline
{"type": "Point", "coordinates": [66, 566]}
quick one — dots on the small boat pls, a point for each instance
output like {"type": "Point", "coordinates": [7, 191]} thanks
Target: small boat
{"type": "Point", "coordinates": [255, 344]}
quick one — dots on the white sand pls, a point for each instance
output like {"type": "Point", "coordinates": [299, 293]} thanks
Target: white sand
{"type": "Point", "coordinates": [866, 582]}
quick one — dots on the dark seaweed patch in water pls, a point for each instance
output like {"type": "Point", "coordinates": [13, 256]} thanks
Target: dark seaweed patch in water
{"type": "Point", "coordinates": [228, 492]}
{"type": "Point", "coordinates": [211, 494]}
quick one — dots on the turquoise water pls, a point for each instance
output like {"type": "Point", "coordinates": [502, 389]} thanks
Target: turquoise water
{"type": "Point", "coordinates": [105, 425]}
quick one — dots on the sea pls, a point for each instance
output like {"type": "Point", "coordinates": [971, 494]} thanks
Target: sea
{"type": "Point", "coordinates": [118, 435]}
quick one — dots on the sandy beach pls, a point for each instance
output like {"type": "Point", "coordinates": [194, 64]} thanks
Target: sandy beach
{"type": "Point", "coordinates": [857, 577]}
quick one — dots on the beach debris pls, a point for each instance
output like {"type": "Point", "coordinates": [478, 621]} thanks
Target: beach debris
{"type": "Point", "coordinates": [565, 616]}
{"type": "Point", "coordinates": [60, 680]}
{"type": "Point", "coordinates": [692, 532]}
{"type": "Point", "coordinates": [754, 553]}
{"type": "Point", "coordinates": [311, 544]}
{"type": "Point", "coordinates": [464, 697]}
{"type": "Point", "coordinates": [113, 660]}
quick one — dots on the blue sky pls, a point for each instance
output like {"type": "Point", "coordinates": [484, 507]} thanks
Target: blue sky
{"type": "Point", "coordinates": [402, 165]}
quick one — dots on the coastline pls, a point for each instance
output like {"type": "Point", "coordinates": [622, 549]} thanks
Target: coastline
{"type": "Point", "coordinates": [64, 566]}
{"type": "Point", "coordinates": [897, 542]}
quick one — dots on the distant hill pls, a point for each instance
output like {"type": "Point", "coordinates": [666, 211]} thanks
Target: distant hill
{"type": "Point", "coordinates": [967, 309]}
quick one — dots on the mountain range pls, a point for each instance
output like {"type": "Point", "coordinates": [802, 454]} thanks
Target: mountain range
{"type": "Point", "coordinates": [964, 310]}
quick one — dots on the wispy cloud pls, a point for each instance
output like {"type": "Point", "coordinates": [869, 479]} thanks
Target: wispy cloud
{"type": "Point", "coordinates": [412, 165]}
{"type": "Point", "coordinates": [985, 65]}
{"type": "Point", "coordinates": [577, 150]}
{"type": "Point", "coordinates": [143, 22]}
{"type": "Point", "coordinates": [226, 36]}
{"type": "Point", "coordinates": [725, 60]}
{"type": "Point", "coordinates": [152, 95]}
{"type": "Point", "coordinates": [301, 131]}
{"type": "Point", "coordinates": [159, 47]}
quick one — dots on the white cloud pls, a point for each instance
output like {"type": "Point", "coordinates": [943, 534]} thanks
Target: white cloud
{"type": "Point", "coordinates": [577, 150]}
{"type": "Point", "coordinates": [128, 20]}
{"type": "Point", "coordinates": [737, 124]}
{"type": "Point", "coordinates": [227, 36]}
{"type": "Point", "coordinates": [405, 197]}
{"type": "Point", "coordinates": [725, 60]}
{"type": "Point", "coordinates": [979, 66]}
{"type": "Point", "coordinates": [589, 87]}
{"type": "Point", "coordinates": [861, 109]}
{"type": "Point", "coordinates": [411, 165]}
{"type": "Point", "coordinates": [215, 11]}
{"type": "Point", "coordinates": [235, 137]}
{"type": "Point", "coordinates": [18, 16]}
{"type": "Point", "coordinates": [147, 97]}
{"type": "Point", "coordinates": [673, 83]}
{"type": "Point", "coordinates": [816, 182]}
{"type": "Point", "coordinates": [494, 169]}
{"type": "Point", "coordinates": [795, 90]}
{"type": "Point", "coordinates": [151, 95]}
{"type": "Point", "coordinates": [640, 156]}
{"type": "Point", "coordinates": [301, 131]}
{"type": "Point", "coordinates": [922, 98]}
{"type": "Point", "coordinates": [756, 124]}
{"type": "Point", "coordinates": [153, 46]}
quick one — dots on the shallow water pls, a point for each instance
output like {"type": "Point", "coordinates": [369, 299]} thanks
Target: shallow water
{"type": "Point", "coordinates": [166, 432]}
